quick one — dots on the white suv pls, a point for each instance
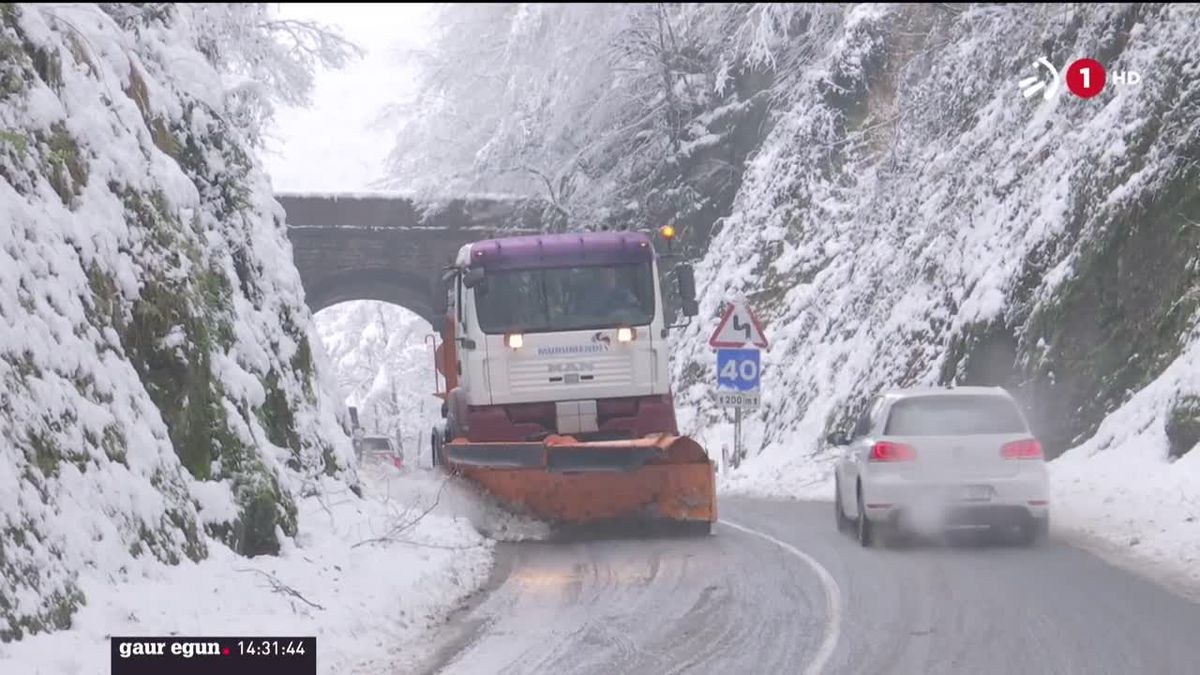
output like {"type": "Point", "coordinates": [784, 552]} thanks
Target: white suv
{"type": "Point", "coordinates": [933, 459]}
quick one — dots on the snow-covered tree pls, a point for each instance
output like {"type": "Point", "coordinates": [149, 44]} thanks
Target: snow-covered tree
{"type": "Point", "coordinates": [264, 59]}
{"type": "Point", "coordinates": [587, 105]}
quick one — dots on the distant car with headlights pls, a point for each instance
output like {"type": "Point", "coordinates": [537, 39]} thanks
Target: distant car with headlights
{"type": "Point", "coordinates": [928, 460]}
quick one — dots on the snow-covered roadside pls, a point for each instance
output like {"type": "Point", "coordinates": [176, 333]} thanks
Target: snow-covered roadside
{"type": "Point", "coordinates": [1143, 518]}
{"type": "Point", "coordinates": [371, 605]}
{"type": "Point", "coordinates": [1119, 494]}
{"type": "Point", "coordinates": [778, 476]}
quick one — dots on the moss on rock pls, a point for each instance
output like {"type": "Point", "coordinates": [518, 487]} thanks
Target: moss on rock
{"type": "Point", "coordinates": [264, 509]}
{"type": "Point", "coordinates": [1119, 321]}
{"type": "Point", "coordinates": [160, 541]}
{"type": "Point", "coordinates": [47, 64]}
{"type": "Point", "coordinates": [104, 305]}
{"type": "Point", "coordinates": [175, 327]}
{"type": "Point", "coordinates": [58, 605]}
{"type": "Point", "coordinates": [113, 442]}
{"type": "Point", "coordinates": [302, 366]}
{"type": "Point", "coordinates": [17, 142]}
{"type": "Point", "coordinates": [43, 452]}
{"type": "Point", "coordinates": [276, 415]}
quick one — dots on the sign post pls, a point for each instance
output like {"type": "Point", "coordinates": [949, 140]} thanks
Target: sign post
{"type": "Point", "coordinates": [738, 339]}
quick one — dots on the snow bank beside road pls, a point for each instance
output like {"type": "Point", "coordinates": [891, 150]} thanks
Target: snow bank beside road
{"type": "Point", "coordinates": [370, 604]}
{"type": "Point", "coordinates": [796, 475]}
{"type": "Point", "coordinates": [1142, 512]}
{"type": "Point", "coordinates": [1121, 488]}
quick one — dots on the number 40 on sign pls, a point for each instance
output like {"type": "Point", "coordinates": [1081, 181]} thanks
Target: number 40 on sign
{"type": "Point", "coordinates": [738, 369]}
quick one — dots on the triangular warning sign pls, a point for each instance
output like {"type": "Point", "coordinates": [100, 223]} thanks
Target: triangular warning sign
{"type": "Point", "coordinates": [738, 328]}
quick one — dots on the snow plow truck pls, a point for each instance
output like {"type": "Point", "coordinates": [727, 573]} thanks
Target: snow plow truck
{"type": "Point", "coordinates": [553, 369]}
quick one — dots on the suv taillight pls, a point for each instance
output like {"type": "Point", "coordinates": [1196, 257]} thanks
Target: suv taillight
{"type": "Point", "coordinates": [886, 451]}
{"type": "Point", "coordinates": [1025, 449]}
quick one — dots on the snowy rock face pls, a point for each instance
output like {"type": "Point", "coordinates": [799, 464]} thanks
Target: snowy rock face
{"type": "Point", "coordinates": [156, 356]}
{"type": "Point", "coordinates": [912, 219]}
{"type": "Point", "coordinates": [872, 180]}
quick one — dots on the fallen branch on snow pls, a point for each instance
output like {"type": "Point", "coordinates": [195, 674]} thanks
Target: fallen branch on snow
{"type": "Point", "coordinates": [421, 544]}
{"type": "Point", "coordinates": [390, 537]}
{"type": "Point", "coordinates": [280, 587]}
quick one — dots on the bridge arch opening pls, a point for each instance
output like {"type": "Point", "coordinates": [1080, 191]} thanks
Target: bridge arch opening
{"type": "Point", "coordinates": [396, 287]}
{"type": "Point", "coordinates": [382, 358]}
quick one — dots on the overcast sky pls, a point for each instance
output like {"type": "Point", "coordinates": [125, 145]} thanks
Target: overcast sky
{"type": "Point", "coordinates": [331, 146]}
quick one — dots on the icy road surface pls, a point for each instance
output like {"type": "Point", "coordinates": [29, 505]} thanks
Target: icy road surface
{"type": "Point", "coordinates": [736, 602]}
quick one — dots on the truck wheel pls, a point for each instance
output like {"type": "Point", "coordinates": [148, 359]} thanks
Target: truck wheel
{"type": "Point", "coordinates": [695, 528]}
{"type": "Point", "coordinates": [435, 448]}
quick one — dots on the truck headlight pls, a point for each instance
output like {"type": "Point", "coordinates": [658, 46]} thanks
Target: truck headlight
{"type": "Point", "coordinates": [624, 334]}
{"type": "Point", "coordinates": [514, 340]}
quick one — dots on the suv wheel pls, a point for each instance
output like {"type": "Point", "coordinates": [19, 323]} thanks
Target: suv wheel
{"type": "Point", "coordinates": [839, 513]}
{"type": "Point", "coordinates": [1034, 530]}
{"type": "Point", "coordinates": [866, 530]}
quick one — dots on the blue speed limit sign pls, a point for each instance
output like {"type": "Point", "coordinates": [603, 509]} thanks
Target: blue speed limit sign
{"type": "Point", "coordinates": [738, 369]}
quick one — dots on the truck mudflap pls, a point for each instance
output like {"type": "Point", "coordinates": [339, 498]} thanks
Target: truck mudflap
{"type": "Point", "coordinates": [565, 480]}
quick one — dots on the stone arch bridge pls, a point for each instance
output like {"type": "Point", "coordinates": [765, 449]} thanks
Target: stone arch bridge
{"type": "Point", "coordinates": [388, 247]}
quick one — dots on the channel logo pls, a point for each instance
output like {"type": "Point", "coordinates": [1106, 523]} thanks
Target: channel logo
{"type": "Point", "coordinates": [1030, 86]}
{"type": "Point", "coordinates": [1085, 78]}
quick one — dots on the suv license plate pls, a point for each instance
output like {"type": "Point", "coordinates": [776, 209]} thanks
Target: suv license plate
{"type": "Point", "coordinates": [977, 493]}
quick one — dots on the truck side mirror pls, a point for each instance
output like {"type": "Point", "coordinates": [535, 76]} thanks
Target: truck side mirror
{"type": "Point", "coordinates": [438, 303]}
{"type": "Point", "coordinates": [474, 277]}
{"type": "Point", "coordinates": [687, 289]}
{"type": "Point", "coordinates": [437, 295]}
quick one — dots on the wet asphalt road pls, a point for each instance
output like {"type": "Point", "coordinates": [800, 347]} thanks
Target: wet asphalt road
{"type": "Point", "coordinates": [814, 601]}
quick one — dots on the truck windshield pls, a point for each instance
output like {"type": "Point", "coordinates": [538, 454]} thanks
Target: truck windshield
{"type": "Point", "coordinates": [566, 298]}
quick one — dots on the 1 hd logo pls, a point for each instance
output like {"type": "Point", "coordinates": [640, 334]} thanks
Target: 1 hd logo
{"type": "Point", "coordinates": [1085, 78]}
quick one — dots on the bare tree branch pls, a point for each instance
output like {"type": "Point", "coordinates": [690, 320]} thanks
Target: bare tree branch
{"type": "Point", "coordinates": [282, 588]}
{"type": "Point", "coordinates": [404, 525]}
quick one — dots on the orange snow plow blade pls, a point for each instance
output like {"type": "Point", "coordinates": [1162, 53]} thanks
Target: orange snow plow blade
{"type": "Point", "coordinates": [565, 480]}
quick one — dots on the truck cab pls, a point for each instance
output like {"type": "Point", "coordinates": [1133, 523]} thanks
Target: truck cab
{"type": "Point", "coordinates": [558, 334]}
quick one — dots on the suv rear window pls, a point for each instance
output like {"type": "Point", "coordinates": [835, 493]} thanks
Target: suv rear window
{"type": "Point", "coordinates": [954, 415]}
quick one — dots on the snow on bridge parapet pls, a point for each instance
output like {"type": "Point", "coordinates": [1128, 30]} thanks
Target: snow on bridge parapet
{"type": "Point", "coordinates": [388, 246]}
{"type": "Point", "coordinates": [398, 210]}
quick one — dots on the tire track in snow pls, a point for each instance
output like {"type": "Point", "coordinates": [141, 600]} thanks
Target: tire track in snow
{"type": "Point", "coordinates": [833, 597]}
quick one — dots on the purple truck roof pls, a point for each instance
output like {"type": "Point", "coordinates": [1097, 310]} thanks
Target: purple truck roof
{"type": "Point", "coordinates": [562, 250]}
